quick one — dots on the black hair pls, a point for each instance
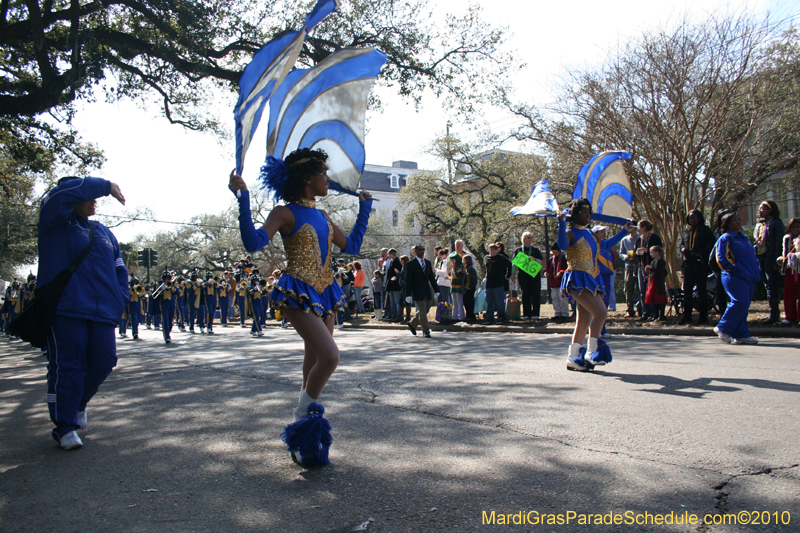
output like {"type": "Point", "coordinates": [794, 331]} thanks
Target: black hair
{"type": "Point", "coordinates": [699, 216]}
{"type": "Point", "coordinates": [555, 246]}
{"type": "Point", "coordinates": [65, 178]}
{"type": "Point", "coordinates": [725, 218]}
{"type": "Point", "coordinates": [302, 164]}
{"type": "Point", "coordinates": [575, 206]}
{"type": "Point", "coordinates": [774, 211]}
{"type": "Point", "coordinates": [721, 214]}
{"type": "Point", "coordinates": [793, 221]}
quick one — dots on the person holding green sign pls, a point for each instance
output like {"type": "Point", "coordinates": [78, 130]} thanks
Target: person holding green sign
{"type": "Point", "coordinates": [528, 263]}
{"type": "Point", "coordinates": [582, 282]}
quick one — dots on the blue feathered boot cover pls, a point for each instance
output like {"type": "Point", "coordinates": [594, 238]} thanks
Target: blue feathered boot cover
{"type": "Point", "coordinates": [310, 438]}
{"type": "Point", "coordinates": [603, 353]}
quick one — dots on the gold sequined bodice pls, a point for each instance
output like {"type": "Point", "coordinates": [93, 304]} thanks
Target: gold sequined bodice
{"type": "Point", "coordinates": [305, 257]}
{"type": "Point", "coordinates": [580, 257]}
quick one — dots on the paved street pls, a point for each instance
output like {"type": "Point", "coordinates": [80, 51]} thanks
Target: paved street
{"type": "Point", "coordinates": [429, 435]}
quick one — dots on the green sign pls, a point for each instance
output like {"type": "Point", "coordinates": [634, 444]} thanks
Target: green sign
{"type": "Point", "coordinates": [527, 264]}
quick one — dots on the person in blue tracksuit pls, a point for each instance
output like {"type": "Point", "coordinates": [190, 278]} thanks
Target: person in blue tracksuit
{"type": "Point", "coordinates": [740, 273]}
{"type": "Point", "coordinates": [210, 293]}
{"type": "Point", "coordinates": [81, 342]}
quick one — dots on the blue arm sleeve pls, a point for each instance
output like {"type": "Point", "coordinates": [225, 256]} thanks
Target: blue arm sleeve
{"type": "Point", "coordinates": [360, 228]}
{"type": "Point", "coordinates": [252, 238]}
{"type": "Point", "coordinates": [60, 202]}
{"type": "Point", "coordinates": [612, 242]}
{"type": "Point", "coordinates": [563, 241]}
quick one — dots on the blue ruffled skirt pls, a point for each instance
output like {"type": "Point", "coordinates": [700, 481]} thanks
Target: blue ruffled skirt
{"type": "Point", "coordinates": [291, 292]}
{"type": "Point", "coordinates": [578, 281]}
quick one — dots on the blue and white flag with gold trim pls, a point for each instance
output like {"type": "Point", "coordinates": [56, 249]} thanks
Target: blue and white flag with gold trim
{"type": "Point", "coordinates": [605, 184]}
{"type": "Point", "coordinates": [325, 107]}
{"type": "Point", "coordinates": [542, 202]}
{"type": "Point", "coordinates": [265, 72]}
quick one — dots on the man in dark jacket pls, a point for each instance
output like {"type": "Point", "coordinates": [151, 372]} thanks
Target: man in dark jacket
{"type": "Point", "coordinates": [81, 346]}
{"type": "Point", "coordinates": [696, 245]}
{"type": "Point", "coordinates": [419, 280]}
{"type": "Point", "coordinates": [392, 281]}
{"type": "Point", "coordinates": [531, 286]}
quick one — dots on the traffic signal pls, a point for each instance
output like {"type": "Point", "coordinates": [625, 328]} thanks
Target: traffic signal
{"type": "Point", "coordinates": [142, 258]}
{"type": "Point", "coordinates": [153, 257]}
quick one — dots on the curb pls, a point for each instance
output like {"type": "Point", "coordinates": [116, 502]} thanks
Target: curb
{"type": "Point", "coordinates": [687, 331]}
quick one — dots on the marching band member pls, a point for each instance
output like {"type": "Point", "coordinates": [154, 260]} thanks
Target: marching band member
{"type": "Point", "coordinates": [256, 295]}
{"type": "Point", "coordinates": [211, 300]}
{"type": "Point", "coordinates": [136, 292]}
{"type": "Point", "coordinates": [241, 299]}
{"type": "Point", "coordinates": [306, 293]}
{"type": "Point", "coordinates": [180, 303]}
{"type": "Point", "coordinates": [148, 311]}
{"type": "Point", "coordinates": [224, 297]}
{"type": "Point", "coordinates": [167, 298]}
{"type": "Point", "coordinates": [197, 305]}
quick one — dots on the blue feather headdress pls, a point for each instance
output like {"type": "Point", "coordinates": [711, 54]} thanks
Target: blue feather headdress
{"type": "Point", "coordinates": [273, 177]}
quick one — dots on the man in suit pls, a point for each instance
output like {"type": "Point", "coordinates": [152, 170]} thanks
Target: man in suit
{"type": "Point", "coordinates": [419, 279]}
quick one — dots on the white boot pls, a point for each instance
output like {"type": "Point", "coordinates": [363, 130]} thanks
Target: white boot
{"type": "Point", "coordinates": [574, 350]}
{"type": "Point", "coordinates": [302, 406]}
{"type": "Point", "coordinates": [591, 347]}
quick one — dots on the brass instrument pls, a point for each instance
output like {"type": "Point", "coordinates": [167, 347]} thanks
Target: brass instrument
{"type": "Point", "coordinates": [165, 285]}
{"type": "Point", "coordinates": [216, 278]}
{"type": "Point", "coordinates": [139, 290]}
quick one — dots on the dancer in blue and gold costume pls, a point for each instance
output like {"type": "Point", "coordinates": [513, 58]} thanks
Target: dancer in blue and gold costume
{"type": "Point", "coordinates": [306, 292]}
{"type": "Point", "coordinates": [582, 282]}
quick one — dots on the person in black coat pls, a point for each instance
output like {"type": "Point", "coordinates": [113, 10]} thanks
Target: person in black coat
{"type": "Point", "coordinates": [530, 286]}
{"type": "Point", "coordinates": [696, 245]}
{"type": "Point", "coordinates": [644, 242]}
{"type": "Point", "coordinates": [420, 278]}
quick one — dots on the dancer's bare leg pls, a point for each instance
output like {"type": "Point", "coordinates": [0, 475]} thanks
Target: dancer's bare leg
{"type": "Point", "coordinates": [321, 353]}
{"type": "Point", "coordinates": [591, 315]}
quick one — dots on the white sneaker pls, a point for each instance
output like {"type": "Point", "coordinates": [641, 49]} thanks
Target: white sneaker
{"type": "Point", "coordinates": [254, 333]}
{"type": "Point", "coordinates": [745, 340]}
{"type": "Point", "coordinates": [70, 441]}
{"type": "Point", "coordinates": [606, 335]}
{"type": "Point", "coordinates": [260, 333]}
{"type": "Point", "coordinates": [784, 321]}
{"type": "Point", "coordinates": [724, 337]}
{"type": "Point", "coordinates": [82, 420]}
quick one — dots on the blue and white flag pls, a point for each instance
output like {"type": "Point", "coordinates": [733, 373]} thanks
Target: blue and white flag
{"type": "Point", "coordinates": [265, 72]}
{"type": "Point", "coordinates": [325, 107]}
{"type": "Point", "coordinates": [542, 202]}
{"type": "Point", "coordinates": [605, 184]}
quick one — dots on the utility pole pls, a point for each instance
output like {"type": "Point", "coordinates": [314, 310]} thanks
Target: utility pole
{"type": "Point", "coordinates": [449, 174]}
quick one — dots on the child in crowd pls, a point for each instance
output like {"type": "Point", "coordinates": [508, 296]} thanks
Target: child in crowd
{"type": "Point", "coordinates": [554, 271]}
{"type": "Point", "coordinates": [656, 273]}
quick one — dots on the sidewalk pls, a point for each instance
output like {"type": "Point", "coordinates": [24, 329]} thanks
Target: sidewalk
{"type": "Point", "coordinates": [428, 434]}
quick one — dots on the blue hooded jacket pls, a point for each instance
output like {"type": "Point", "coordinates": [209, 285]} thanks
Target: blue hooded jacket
{"type": "Point", "coordinates": [737, 258]}
{"type": "Point", "coordinates": [98, 290]}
